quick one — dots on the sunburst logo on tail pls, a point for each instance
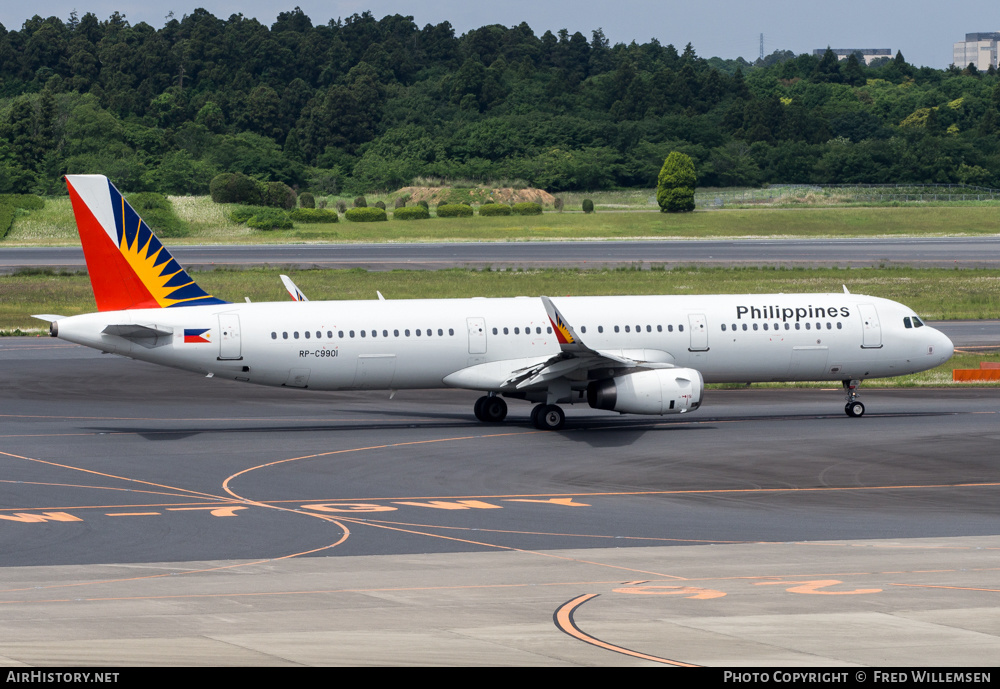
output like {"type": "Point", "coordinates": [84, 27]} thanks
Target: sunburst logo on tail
{"type": "Point", "coordinates": [167, 282]}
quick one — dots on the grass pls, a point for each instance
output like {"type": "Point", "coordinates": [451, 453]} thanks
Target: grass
{"type": "Point", "coordinates": [54, 224]}
{"type": "Point", "coordinates": [933, 293]}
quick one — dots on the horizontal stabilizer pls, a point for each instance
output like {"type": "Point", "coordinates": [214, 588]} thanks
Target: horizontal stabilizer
{"type": "Point", "coordinates": [48, 317]}
{"type": "Point", "coordinates": [144, 335]}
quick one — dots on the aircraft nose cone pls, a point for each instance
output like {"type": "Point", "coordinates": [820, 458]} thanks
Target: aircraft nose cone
{"type": "Point", "coordinates": [944, 347]}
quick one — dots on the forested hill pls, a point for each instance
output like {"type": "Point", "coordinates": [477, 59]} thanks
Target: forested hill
{"type": "Point", "coordinates": [366, 103]}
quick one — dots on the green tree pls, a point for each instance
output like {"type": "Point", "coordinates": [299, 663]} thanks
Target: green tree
{"type": "Point", "coordinates": [675, 184]}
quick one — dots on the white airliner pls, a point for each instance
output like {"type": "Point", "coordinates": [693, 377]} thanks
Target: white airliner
{"type": "Point", "coordinates": [631, 354]}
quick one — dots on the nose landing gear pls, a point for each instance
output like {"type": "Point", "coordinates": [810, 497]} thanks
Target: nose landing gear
{"type": "Point", "coordinates": [853, 407]}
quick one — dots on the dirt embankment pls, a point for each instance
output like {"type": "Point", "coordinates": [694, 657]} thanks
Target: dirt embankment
{"type": "Point", "coordinates": [434, 195]}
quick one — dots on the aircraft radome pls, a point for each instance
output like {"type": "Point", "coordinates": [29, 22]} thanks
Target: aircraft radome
{"type": "Point", "coordinates": [631, 354]}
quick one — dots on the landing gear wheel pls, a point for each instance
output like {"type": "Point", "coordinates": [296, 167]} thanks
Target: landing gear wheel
{"type": "Point", "coordinates": [490, 409]}
{"type": "Point", "coordinates": [493, 410]}
{"type": "Point", "coordinates": [535, 413]}
{"type": "Point", "coordinates": [855, 409]}
{"type": "Point", "coordinates": [550, 418]}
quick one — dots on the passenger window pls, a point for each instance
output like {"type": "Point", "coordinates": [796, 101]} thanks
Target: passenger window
{"type": "Point", "coordinates": [723, 327]}
{"type": "Point", "coordinates": [680, 328]}
{"type": "Point", "coordinates": [274, 336]}
{"type": "Point", "coordinates": [583, 329]}
{"type": "Point", "coordinates": [395, 333]}
{"type": "Point", "coordinates": [284, 336]}
{"type": "Point", "coordinates": [600, 328]}
{"type": "Point", "coordinates": [765, 326]}
{"type": "Point", "coordinates": [296, 334]}
{"type": "Point", "coordinates": [517, 331]}
{"type": "Point", "coordinates": [659, 328]}
{"type": "Point", "coordinates": [807, 326]}
{"type": "Point", "coordinates": [362, 333]}
{"type": "Point", "coordinates": [418, 332]}
{"type": "Point", "coordinates": [626, 329]}
{"type": "Point", "coordinates": [494, 331]}
{"type": "Point", "coordinates": [440, 332]}
{"type": "Point", "coordinates": [744, 327]}
{"type": "Point", "coordinates": [616, 329]}
{"type": "Point", "coordinates": [670, 328]}
{"type": "Point", "coordinates": [506, 332]}
{"type": "Point", "coordinates": [351, 333]}
{"type": "Point", "coordinates": [754, 326]}
{"type": "Point", "coordinates": [839, 325]}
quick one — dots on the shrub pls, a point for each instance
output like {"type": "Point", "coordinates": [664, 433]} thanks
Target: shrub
{"type": "Point", "coordinates": [341, 207]}
{"type": "Point", "coordinates": [366, 215]}
{"type": "Point", "coordinates": [588, 206]}
{"type": "Point", "coordinates": [320, 204]}
{"type": "Point", "coordinates": [411, 213]}
{"type": "Point", "coordinates": [312, 215]}
{"type": "Point", "coordinates": [454, 210]}
{"type": "Point", "coordinates": [28, 202]}
{"type": "Point", "coordinates": [6, 219]}
{"type": "Point", "coordinates": [307, 200]}
{"type": "Point", "coordinates": [240, 214]}
{"type": "Point", "coordinates": [235, 187]}
{"type": "Point", "coordinates": [400, 202]}
{"type": "Point", "coordinates": [493, 209]}
{"type": "Point", "coordinates": [360, 202]}
{"type": "Point", "coordinates": [424, 204]}
{"type": "Point", "coordinates": [270, 219]}
{"type": "Point", "coordinates": [675, 184]}
{"type": "Point", "coordinates": [527, 208]}
{"type": "Point", "coordinates": [279, 195]}
{"type": "Point", "coordinates": [557, 203]}
{"type": "Point", "coordinates": [380, 204]}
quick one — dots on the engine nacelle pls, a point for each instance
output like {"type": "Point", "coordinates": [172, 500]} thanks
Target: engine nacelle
{"type": "Point", "coordinates": [660, 391]}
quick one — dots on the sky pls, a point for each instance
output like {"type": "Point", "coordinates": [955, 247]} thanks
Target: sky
{"type": "Point", "coordinates": [924, 30]}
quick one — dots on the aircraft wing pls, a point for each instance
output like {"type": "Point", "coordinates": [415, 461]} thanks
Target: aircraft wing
{"type": "Point", "coordinates": [574, 357]}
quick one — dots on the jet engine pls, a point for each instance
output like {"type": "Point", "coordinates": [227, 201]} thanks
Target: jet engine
{"type": "Point", "coordinates": [660, 391]}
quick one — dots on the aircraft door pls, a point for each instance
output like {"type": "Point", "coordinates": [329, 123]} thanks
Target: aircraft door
{"type": "Point", "coordinates": [699, 332]}
{"type": "Point", "coordinates": [477, 335]}
{"type": "Point", "coordinates": [872, 329]}
{"type": "Point", "coordinates": [229, 339]}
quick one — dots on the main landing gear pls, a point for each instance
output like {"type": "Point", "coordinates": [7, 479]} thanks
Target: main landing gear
{"type": "Point", "coordinates": [545, 417]}
{"type": "Point", "coordinates": [490, 409]}
{"type": "Point", "coordinates": [853, 407]}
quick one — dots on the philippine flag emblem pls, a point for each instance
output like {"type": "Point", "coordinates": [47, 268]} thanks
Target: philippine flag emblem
{"type": "Point", "coordinates": [194, 335]}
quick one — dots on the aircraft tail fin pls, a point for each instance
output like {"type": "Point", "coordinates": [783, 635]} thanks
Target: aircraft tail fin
{"type": "Point", "coordinates": [129, 267]}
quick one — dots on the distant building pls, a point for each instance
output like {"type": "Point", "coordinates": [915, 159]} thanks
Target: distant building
{"type": "Point", "coordinates": [866, 54]}
{"type": "Point", "coordinates": [979, 49]}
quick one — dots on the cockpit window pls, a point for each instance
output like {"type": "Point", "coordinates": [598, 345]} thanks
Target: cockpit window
{"type": "Point", "coordinates": [906, 322]}
{"type": "Point", "coordinates": [917, 323]}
